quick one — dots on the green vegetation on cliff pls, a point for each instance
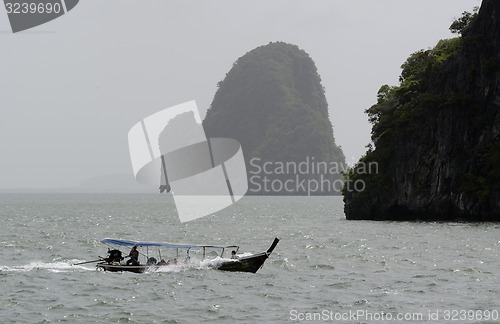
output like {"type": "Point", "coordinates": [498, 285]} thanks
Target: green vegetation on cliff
{"type": "Point", "coordinates": [437, 134]}
{"type": "Point", "coordinates": [273, 103]}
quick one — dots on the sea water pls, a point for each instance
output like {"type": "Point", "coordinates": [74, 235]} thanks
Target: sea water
{"type": "Point", "coordinates": [325, 268]}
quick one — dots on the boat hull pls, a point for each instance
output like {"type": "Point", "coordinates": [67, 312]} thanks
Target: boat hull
{"type": "Point", "coordinates": [251, 263]}
{"type": "Point", "coordinates": [121, 267]}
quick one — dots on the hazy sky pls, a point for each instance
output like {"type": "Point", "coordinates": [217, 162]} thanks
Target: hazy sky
{"type": "Point", "coordinates": [72, 88]}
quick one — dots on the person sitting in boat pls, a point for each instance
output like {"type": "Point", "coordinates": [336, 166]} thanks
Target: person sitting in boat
{"type": "Point", "coordinates": [233, 255]}
{"type": "Point", "coordinates": [162, 262]}
{"type": "Point", "coordinates": [134, 257]}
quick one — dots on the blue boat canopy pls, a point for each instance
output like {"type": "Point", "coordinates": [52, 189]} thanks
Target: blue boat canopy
{"type": "Point", "coordinates": [162, 244]}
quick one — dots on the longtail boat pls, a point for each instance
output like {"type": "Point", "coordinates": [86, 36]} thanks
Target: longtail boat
{"type": "Point", "coordinates": [114, 262]}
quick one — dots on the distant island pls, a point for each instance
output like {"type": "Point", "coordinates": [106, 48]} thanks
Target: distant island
{"type": "Point", "coordinates": [273, 103]}
{"type": "Point", "coordinates": [436, 136]}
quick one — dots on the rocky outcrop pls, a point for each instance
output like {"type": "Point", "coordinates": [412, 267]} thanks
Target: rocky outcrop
{"type": "Point", "coordinates": [437, 134]}
{"type": "Point", "coordinates": [273, 103]}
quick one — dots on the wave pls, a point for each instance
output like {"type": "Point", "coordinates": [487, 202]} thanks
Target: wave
{"type": "Point", "coordinates": [192, 264]}
{"type": "Point", "coordinates": [61, 266]}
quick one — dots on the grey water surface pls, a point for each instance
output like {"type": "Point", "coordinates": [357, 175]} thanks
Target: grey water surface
{"type": "Point", "coordinates": [324, 267]}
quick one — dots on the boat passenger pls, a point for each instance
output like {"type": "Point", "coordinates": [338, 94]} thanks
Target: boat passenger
{"type": "Point", "coordinates": [162, 262]}
{"type": "Point", "coordinates": [233, 255]}
{"type": "Point", "coordinates": [134, 256]}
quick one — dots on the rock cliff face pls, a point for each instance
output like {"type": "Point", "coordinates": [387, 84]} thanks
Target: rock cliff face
{"type": "Point", "coordinates": [437, 134]}
{"type": "Point", "coordinates": [273, 103]}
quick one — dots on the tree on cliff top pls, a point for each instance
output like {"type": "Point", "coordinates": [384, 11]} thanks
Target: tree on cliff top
{"type": "Point", "coordinates": [462, 24]}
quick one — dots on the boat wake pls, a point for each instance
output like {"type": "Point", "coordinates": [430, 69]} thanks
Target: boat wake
{"type": "Point", "coordinates": [61, 266]}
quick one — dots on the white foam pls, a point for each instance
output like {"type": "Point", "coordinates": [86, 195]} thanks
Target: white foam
{"type": "Point", "coordinates": [61, 266]}
{"type": "Point", "coordinates": [194, 264]}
